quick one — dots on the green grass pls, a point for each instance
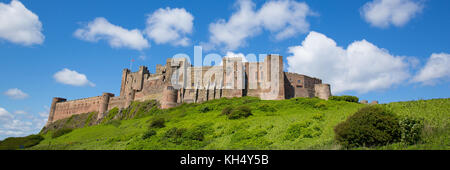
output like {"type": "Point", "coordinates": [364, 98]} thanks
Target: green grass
{"type": "Point", "coordinates": [272, 125]}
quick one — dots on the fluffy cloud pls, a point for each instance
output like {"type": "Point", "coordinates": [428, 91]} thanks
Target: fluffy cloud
{"type": "Point", "coordinates": [170, 26]}
{"type": "Point", "coordinates": [284, 18]}
{"type": "Point", "coordinates": [20, 25]}
{"type": "Point", "coordinates": [117, 37]}
{"type": "Point", "coordinates": [20, 124]}
{"type": "Point", "coordinates": [4, 114]}
{"type": "Point", "coordinates": [382, 13]}
{"type": "Point", "coordinates": [16, 93]}
{"type": "Point", "coordinates": [362, 67]}
{"type": "Point", "coordinates": [437, 67]}
{"type": "Point", "coordinates": [72, 77]}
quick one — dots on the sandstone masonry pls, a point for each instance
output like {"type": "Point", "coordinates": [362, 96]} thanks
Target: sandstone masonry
{"type": "Point", "coordinates": [179, 82]}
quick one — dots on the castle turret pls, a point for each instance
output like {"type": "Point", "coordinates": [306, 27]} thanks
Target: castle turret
{"type": "Point", "coordinates": [53, 108]}
{"type": "Point", "coordinates": [104, 104]}
{"type": "Point", "coordinates": [322, 91]}
{"type": "Point", "coordinates": [169, 97]}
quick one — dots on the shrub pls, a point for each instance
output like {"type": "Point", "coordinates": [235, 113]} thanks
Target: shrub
{"type": "Point", "coordinates": [204, 109]}
{"type": "Point", "coordinates": [304, 129]}
{"type": "Point", "coordinates": [13, 143]}
{"type": "Point", "coordinates": [321, 105]}
{"type": "Point", "coordinates": [318, 116]}
{"type": "Point", "coordinates": [345, 98]}
{"type": "Point", "coordinates": [369, 126]}
{"type": "Point", "coordinates": [227, 110]}
{"type": "Point", "coordinates": [266, 108]}
{"type": "Point", "coordinates": [240, 112]}
{"type": "Point", "coordinates": [157, 123]}
{"type": "Point", "coordinates": [148, 134]}
{"type": "Point", "coordinates": [175, 135]}
{"type": "Point", "coordinates": [411, 130]}
{"type": "Point", "coordinates": [61, 132]}
{"type": "Point", "coordinates": [196, 133]}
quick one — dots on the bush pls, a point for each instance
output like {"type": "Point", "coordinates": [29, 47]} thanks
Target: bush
{"type": "Point", "coordinates": [227, 110]}
{"type": "Point", "coordinates": [266, 108]}
{"type": "Point", "coordinates": [321, 105]}
{"type": "Point", "coordinates": [158, 123]}
{"type": "Point", "coordinates": [186, 136]}
{"type": "Point", "coordinates": [148, 134]}
{"type": "Point", "coordinates": [411, 130]}
{"type": "Point", "coordinates": [369, 126]}
{"type": "Point", "coordinates": [240, 112]}
{"type": "Point", "coordinates": [345, 98]}
{"type": "Point", "coordinates": [204, 109]}
{"type": "Point", "coordinates": [13, 143]}
{"type": "Point", "coordinates": [304, 129]}
{"type": "Point", "coordinates": [175, 135]}
{"type": "Point", "coordinates": [61, 132]}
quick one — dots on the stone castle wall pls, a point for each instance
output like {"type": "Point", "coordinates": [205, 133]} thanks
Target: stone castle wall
{"type": "Point", "coordinates": [175, 83]}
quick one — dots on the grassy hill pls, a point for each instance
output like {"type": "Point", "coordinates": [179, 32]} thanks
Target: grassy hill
{"type": "Point", "coordinates": [299, 123]}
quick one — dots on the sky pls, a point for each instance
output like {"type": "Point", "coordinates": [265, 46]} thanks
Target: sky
{"type": "Point", "coordinates": [384, 50]}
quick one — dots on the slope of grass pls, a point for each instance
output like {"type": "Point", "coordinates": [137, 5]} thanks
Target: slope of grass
{"type": "Point", "coordinates": [299, 123]}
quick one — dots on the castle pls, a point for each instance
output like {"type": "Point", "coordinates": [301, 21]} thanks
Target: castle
{"type": "Point", "coordinates": [180, 82]}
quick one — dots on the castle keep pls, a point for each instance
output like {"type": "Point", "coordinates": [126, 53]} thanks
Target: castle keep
{"type": "Point", "coordinates": [179, 82]}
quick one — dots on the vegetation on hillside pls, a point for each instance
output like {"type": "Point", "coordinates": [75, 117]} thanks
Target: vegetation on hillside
{"type": "Point", "coordinates": [299, 123]}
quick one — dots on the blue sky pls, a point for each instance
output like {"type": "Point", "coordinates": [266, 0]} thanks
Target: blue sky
{"type": "Point", "coordinates": [378, 50]}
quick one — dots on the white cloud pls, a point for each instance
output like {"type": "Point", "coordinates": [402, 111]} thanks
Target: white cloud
{"type": "Point", "coordinates": [16, 93]}
{"type": "Point", "coordinates": [382, 13]}
{"type": "Point", "coordinates": [4, 114]}
{"type": "Point", "coordinates": [72, 77]}
{"type": "Point", "coordinates": [437, 67]}
{"type": "Point", "coordinates": [101, 29]}
{"type": "Point", "coordinates": [20, 112]}
{"type": "Point", "coordinates": [362, 67]}
{"type": "Point", "coordinates": [20, 25]}
{"type": "Point", "coordinates": [170, 26]}
{"type": "Point", "coordinates": [284, 18]}
{"type": "Point", "coordinates": [20, 125]}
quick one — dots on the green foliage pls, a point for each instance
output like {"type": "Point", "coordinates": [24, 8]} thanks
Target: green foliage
{"type": "Point", "coordinates": [304, 129]}
{"type": "Point", "coordinates": [13, 143]}
{"type": "Point", "coordinates": [227, 110]}
{"type": "Point", "coordinates": [61, 132]}
{"type": "Point", "coordinates": [369, 126]}
{"type": "Point", "coordinates": [111, 114]}
{"type": "Point", "coordinates": [318, 116]}
{"type": "Point", "coordinates": [240, 112]}
{"type": "Point", "coordinates": [266, 108]}
{"type": "Point", "coordinates": [89, 119]}
{"type": "Point", "coordinates": [149, 133]}
{"type": "Point", "coordinates": [204, 109]}
{"type": "Point", "coordinates": [115, 123]}
{"type": "Point", "coordinates": [411, 129]}
{"type": "Point", "coordinates": [208, 131]}
{"type": "Point", "coordinates": [192, 136]}
{"type": "Point", "coordinates": [157, 123]}
{"type": "Point", "coordinates": [345, 98]}
{"type": "Point", "coordinates": [321, 105]}
{"type": "Point", "coordinates": [175, 135]}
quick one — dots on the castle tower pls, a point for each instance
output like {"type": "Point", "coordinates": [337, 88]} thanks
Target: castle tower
{"type": "Point", "coordinates": [104, 104]}
{"type": "Point", "coordinates": [322, 91]}
{"type": "Point", "coordinates": [169, 97]}
{"type": "Point", "coordinates": [53, 108]}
